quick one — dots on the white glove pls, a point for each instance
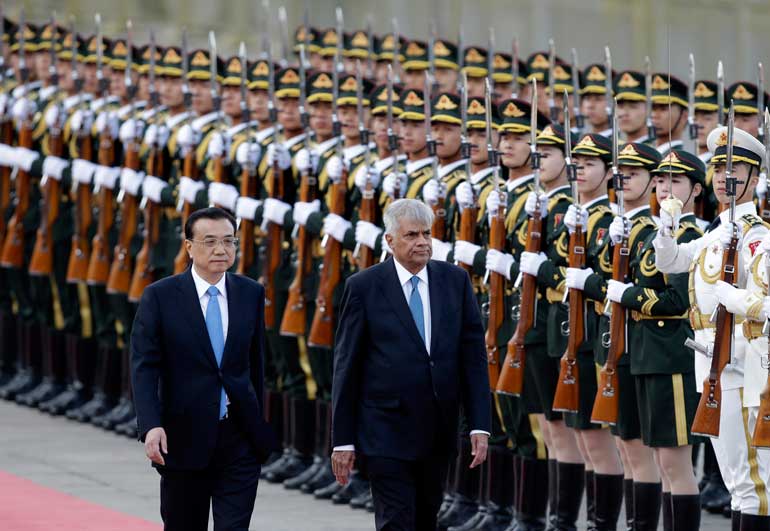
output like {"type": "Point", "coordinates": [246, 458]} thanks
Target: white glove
{"type": "Point", "coordinates": [440, 249]}
{"type": "Point", "coordinates": [54, 166]}
{"type": "Point", "coordinates": [761, 189]}
{"type": "Point", "coordinates": [107, 121]}
{"type": "Point", "coordinates": [336, 226]}
{"type": "Point", "coordinates": [670, 214]}
{"type": "Point", "coordinates": [363, 177]}
{"type": "Point", "coordinates": [302, 210]}
{"type": "Point", "coordinates": [248, 153]}
{"type": "Point", "coordinates": [392, 181]}
{"type": "Point", "coordinates": [615, 290]}
{"type": "Point", "coordinates": [5, 99]}
{"type": "Point", "coordinates": [130, 130]}
{"type": "Point", "coordinates": [23, 109]}
{"type": "Point", "coordinates": [732, 298]}
{"type": "Point", "coordinates": [306, 161]}
{"type": "Point", "coordinates": [726, 235]}
{"type": "Point", "coordinates": [575, 216]}
{"type": "Point", "coordinates": [106, 177]}
{"type": "Point", "coordinates": [764, 246]}
{"type": "Point", "coordinates": [156, 135]}
{"type": "Point", "coordinates": [531, 262]}
{"type": "Point", "coordinates": [217, 146]}
{"type": "Point", "coordinates": [246, 207]}
{"type": "Point", "coordinates": [433, 191]}
{"type": "Point", "coordinates": [275, 210]}
{"type": "Point", "coordinates": [52, 116]}
{"type": "Point", "coordinates": [83, 171]}
{"type": "Point", "coordinates": [500, 262]}
{"type": "Point", "coordinates": [187, 138]}
{"type": "Point", "coordinates": [334, 169]}
{"type": "Point", "coordinates": [82, 121]}
{"type": "Point", "coordinates": [465, 252]}
{"type": "Point", "coordinates": [465, 196]}
{"type": "Point", "coordinates": [189, 188]}
{"type": "Point", "coordinates": [23, 158]}
{"type": "Point", "coordinates": [7, 154]}
{"type": "Point", "coordinates": [131, 181]}
{"type": "Point", "coordinates": [277, 152]}
{"type": "Point", "coordinates": [493, 203]}
{"type": "Point", "coordinates": [576, 277]}
{"type": "Point", "coordinates": [152, 188]}
{"type": "Point", "coordinates": [367, 234]}
{"type": "Point", "coordinates": [223, 194]}
{"type": "Point", "coordinates": [529, 205]}
{"type": "Point", "coordinates": [618, 229]}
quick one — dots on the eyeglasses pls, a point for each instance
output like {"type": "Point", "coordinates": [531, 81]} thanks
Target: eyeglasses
{"type": "Point", "coordinates": [228, 243]}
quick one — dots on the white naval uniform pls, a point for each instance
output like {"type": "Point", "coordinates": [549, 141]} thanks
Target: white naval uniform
{"type": "Point", "coordinates": [745, 470]}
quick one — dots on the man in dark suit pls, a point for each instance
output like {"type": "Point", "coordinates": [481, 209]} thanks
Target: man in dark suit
{"type": "Point", "coordinates": [410, 351]}
{"type": "Point", "coordinates": [197, 371]}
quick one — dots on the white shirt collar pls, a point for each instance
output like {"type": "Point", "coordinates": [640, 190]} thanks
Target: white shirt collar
{"type": "Point", "coordinates": [351, 152]}
{"type": "Point", "coordinates": [740, 211]}
{"type": "Point", "coordinates": [47, 92]}
{"type": "Point", "coordinates": [204, 120]}
{"type": "Point", "coordinates": [592, 202]}
{"type": "Point", "coordinates": [405, 276]}
{"type": "Point", "coordinates": [480, 175]}
{"type": "Point", "coordinates": [414, 165]}
{"type": "Point", "coordinates": [264, 133]}
{"type": "Point", "coordinates": [634, 211]}
{"type": "Point", "coordinates": [510, 185]}
{"type": "Point", "coordinates": [173, 121]}
{"type": "Point", "coordinates": [449, 168]}
{"type": "Point", "coordinates": [201, 286]}
{"type": "Point", "coordinates": [668, 146]}
{"type": "Point", "coordinates": [706, 156]}
{"type": "Point", "coordinates": [326, 145]}
{"type": "Point", "coordinates": [555, 191]}
{"type": "Point", "coordinates": [235, 129]}
{"type": "Point", "coordinates": [294, 140]}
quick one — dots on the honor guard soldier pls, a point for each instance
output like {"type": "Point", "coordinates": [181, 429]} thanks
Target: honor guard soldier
{"type": "Point", "coordinates": [328, 48]}
{"type": "Point", "coordinates": [706, 115]}
{"type": "Point", "coordinates": [630, 94]}
{"type": "Point", "coordinates": [308, 37]}
{"type": "Point", "coordinates": [475, 65]}
{"type": "Point", "coordinates": [744, 469]}
{"type": "Point", "coordinates": [593, 98]}
{"type": "Point", "coordinates": [669, 111]}
{"type": "Point", "coordinates": [745, 96]}
{"type": "Point", "coordinates": [415, 65]}
{"type": "Point", "coordinates": [446, 65]}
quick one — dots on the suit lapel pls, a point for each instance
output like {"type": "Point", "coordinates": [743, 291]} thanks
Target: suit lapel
{"type": "Point", "coordinates": [191, 308]}
{"type": "Point", "coordinates": [436, 305]}
{"type": "Point", "coordinates": [391, 288]}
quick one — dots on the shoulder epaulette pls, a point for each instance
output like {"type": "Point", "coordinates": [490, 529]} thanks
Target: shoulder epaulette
{"type": "Point", "coordinates": [561, 196]}
{"type": "Point", "coordinates": [752, 220]}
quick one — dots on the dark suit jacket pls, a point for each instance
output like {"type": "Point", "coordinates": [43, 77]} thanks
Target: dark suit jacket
{"type": "Point", "coordinates": [174, 373]}
{"type": "Point", "coordinates": [390, 398]}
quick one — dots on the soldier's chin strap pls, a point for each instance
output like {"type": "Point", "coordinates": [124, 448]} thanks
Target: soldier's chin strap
{"type": "Point", "coordinates": [745, 183]}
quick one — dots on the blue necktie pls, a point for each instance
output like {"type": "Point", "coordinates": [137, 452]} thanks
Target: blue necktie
{"type": "Point", "coordinates": [217, 337]}
{"type": "Point", "coordinates": [415, 305]}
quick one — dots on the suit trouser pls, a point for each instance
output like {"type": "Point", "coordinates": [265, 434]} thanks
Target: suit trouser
{"type": "Point", "coordinates": [228, 484]}
{"type": "Point", "coordinates": [745, 469]}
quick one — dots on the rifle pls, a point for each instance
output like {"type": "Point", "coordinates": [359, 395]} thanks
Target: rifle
{"type": "Point", "coordinates": [496, 303]}
{"type": "Point", "coordinates": [566, 397]}
{"type": "Point", "coordinates": [648, 98]}
{"type": "Point", "coordinates": [610, 108]}
{"type": "Point", "coordinates": [511, 379]}
{"type": "Point", "coordinates": [322, 327]}
{"type": "Point", "coordinates": [364, 255]}
{"type": "Point", "coordinates": [579, 118]}
{"type": "Point", "coordinates": [720, 93]}
{"type": "Point", "coordinates": [605, 408]}
{"type": "Point", "coordinates": [99, 264]}
{"type": "Point", "coordinates": [431, 75]}
{"type": "Point", "coordinates": [515, 69]}
{"type": "Point", "coordinates": [761, 436]}
{"type": "Point", "coordinates": [13, 247]}
{"type": "Point", "coordinates": [393, 139]}
{"type": "Point", "coordinates": [469, 214]}
{"type": "Point", "coordinates": [764, 207]}
{"type": "Point", "coordinates": [77, 265]}
{"type": "Point", "coordinates": [706, 421]}
{"type": "Point", "coordinates": [761, 99]}
{"type": "Point", "coordinates": [294, 321]}
{"type": "Point", "coordinates": [119, 280]}
{"type": "Point", "coordinates": [692, 127]}
{"type": "Point", "coordinates": [41, 263]}
{"type": "Point", "coordinates": [143, 270]}
{"type": "Point", "coordinates": [554, 110]}
{"type": "Point", "coordinates": [438, 230]}
{"type": "Point", "coordinates": [6, 137]}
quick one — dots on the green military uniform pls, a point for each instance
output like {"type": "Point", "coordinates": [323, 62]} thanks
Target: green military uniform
{"type": "Point", "coordinates": [705, 96]}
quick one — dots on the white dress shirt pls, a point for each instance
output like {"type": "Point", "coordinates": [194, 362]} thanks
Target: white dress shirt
{"type": "Point", "coordinates": [201, 287]}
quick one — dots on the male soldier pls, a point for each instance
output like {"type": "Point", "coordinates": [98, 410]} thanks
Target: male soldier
{"type": "Point", "coordinates": [502, 75]}
{"type": "Point", "coordinates": [328, 49]}
{"type": "Point", "coordinates": [744, 469]}
{"type": "Point", "coordinates": [415, 65]}
{"type": "Point", "coordinates": [446, 65]}
{"type": "Point", "coordinates": [384, 48]}
{"type": "Point", "coordinates": [706, 118]}
{"type": "Point", "coordinates": [593, 98]}
{"type": "Point", "coordinates": [669, 111]}
{"type": "Point", "coordinates": [475, 65]}
{"type": "Point", "coordinates": [356, 48]}
{"type": "Point", "coordinates": [562, 74]}
{"type": "Point", "coordinates": [745, 96]}
{"type": "Point", "coordinates": [629, 89]}
{"type": "Point", "coordinates": [308, 37]}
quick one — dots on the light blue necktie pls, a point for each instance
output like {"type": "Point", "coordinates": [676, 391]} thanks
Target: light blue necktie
{"type": "Point", "coordinates": [217, 337]}
{"type": "Point", "coordinates": [415, 305]}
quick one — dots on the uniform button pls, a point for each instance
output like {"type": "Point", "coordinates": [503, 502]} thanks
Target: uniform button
{"type": "Point", "coordinates": [660, 324]}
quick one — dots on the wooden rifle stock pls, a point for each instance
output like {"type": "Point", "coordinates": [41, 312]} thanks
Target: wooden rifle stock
{"type": "Point", "coordinates": [249, 188]}
{"type": "Point", "coordinates": [605, 408]}
{"type": "Point", "coordinates": [273, 253]}
{"type": "Point", "coordinates": [438, 230]}
{"type": "Point", "coordinates": [511, 379]}
{"type": "Point", "coordinates": [77, 266]}
{"type": "Point", "coordinates": [566, 397]}
{"type": "Point", "coordinates": [99, 265]}
{"type": "Point", "coordinates": [367, 213]}
{"type": "Point", "coordinates": [468, 230]}
{"type": "Point", "coordinates": [143, 271]}
{"type": "Point", "coordinates": [13, 246]}
{"type": "Point", "coordinates": [41, 263]}
{"type": "Point", "coordinates": [761, 437]}
{"type": "Point", "coordinates": [322, 328]}
{"type": "Point", "coordinates": [654, 204]}
{"type": "Point", "coordinates": [119, 280]}
{"type": "Point", "coordinates": [6, 133]}
{"type": "Point", "coordinates": [190, 169]}
{"type": "Point", "coordinates": [496, 303]}
{"type": "Point", "coordinates": [706, 421]}
{"type": "Point", "coordinates": [294, 321]}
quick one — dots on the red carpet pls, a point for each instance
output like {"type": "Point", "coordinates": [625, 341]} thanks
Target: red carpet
{"type": "Point", "coordinates": [27, 506]}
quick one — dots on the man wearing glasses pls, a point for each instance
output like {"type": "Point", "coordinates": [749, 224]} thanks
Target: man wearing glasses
{"type": "Point", "coordinates": [198, 381]}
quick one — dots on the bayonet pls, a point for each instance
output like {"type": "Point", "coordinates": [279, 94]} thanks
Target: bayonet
{"type": "Point", "coordinates": [23, 69]}
{"type": "Point", "coordinates": [272, 112]}
{"type": "Point", "coordinates": [465, 145]}
{"type": "Point", "coordinates": [491, 58]}
{"type": "Point", "coordinates": [53, 73]}
{"type": "Point", "coordinates": [306, 34]}
{"type": "Point", "coordinates": [432, 56]}
{"type": "Point", "coordinates": [77, 81]}
{"type": "Point", "coordinates": [692, 126]}
{"type": "Point", "coordinates": [336, 125]}
{"type": "Point", "coordinates": [761, 99]}
{"type": "Point", "coordinates": [392, 136]}
{"type": "Point", "coordinates": [515, 69]}
{"type": "Point", "coordinates": [186, 94]}
{"type": "Point", "coordinates": [102, 81]}
{"type": "Point", "coordinates": [607, 83]}
{"type": "Point", "coordinates": [363, 132]}
{"type": "Point", "coordinates": [720, 93]}
{"type": "Point", "coordinates": [369, 47]}
{"type": "Point", "coordinates": [571, 169]}
{"type": "Point", "coordinates": [730, 179]}
{"type": "Point", "coordinates": [396, 52]}
{"type": "Point", "coordinates": [282, 19]}
{"type": "Point", "coordinates": [579, 121]}
{"type": "Point", "coordinates": [216, 99]}
{"type": "Point", "coordinates": [534, 155]}
{"type": "Point", "coordinates": [460, 54]}
{"type": "Point", "coordinates": [128, 79]}
{"type": "Point", "coordinates": [245, 112]}
{"type": "Point", "coordinates": [551, 82]}
{"type": "Point", "coordinates": [617, 177]}
{"type": "Point", "coordinates": [303, 114]}
{"type": "Point", "coordinates": [430, 142]}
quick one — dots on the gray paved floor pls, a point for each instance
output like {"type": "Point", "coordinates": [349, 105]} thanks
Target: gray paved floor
{"type": "Point", "coordinates": [112, 471]}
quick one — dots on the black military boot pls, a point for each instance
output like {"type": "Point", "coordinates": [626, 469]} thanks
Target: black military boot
{"type": "Point", "coordinates": [608, 492]}
{"type": "Point", "coordinates": [533, 495]}
{"type": "Point", "coordinates": [464, 506]}
{"type": "Point", "coordinates": [280, 411]}
{"type": "Point", "coordinates": [329, 490]}
{"type": "Point", "coordinates": [102, 399]}
{"type": "Point", "coordinates": [715, 496]}
{"type": "Point", "coordinates": [52, 369]}
{"type": "Point", "coordinates": [553, 489]}
{"type": "Point", "coordinates": [628, 496]}
{"type": "Point", "coordinates": [356, 486]}
{"type": "Point", "coordinates": [685, 513]}
{"type": "Point", "coordinates": [571, 481]}
{"type": "Point", "coordinates": [666, 511]}
{"type": "Point", "coordinates": [9, 353]}
{"type": "Point", "coordinates": [753, 522]}
{"type": "Point", "coordinates": [482, 498]}
{"type": "Point", "coordinates": [319, 459]}
{"type": "Point", "coordinates": [324, 475]}
{"type": "Point", "coordinates": [124, 409]}
{"type": "Point", "coordinates": [735, 520]}
{"type": "Point", "coordinates": [590, 501]}
{"type": "Point", "coordinates": [499, 514]}
{"type": "Point", "coordinates": [360, 501]}
{"type": "Point", "coordinates": [451, 486]}
{"type": "Point", "coordinates": [647, 500]}
{"type": "Point", "coordinates": [79, 359]}
{"type": "Point", "coordinates": [28, 375]}
{"type": "Point", "coordinates": [299, 457]}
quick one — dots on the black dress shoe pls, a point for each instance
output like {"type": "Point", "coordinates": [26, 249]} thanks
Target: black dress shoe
{"type": "Point", "coordinates": [323, 477]}
{"type": "Point", "coordinates": [461, 510]}
{"type": "Point", "coordinates": [496, 518]}
{"type": "Point", "coordinates": [98, 405]}
{"type": "Point", "coordinates": [128, 428]}
{"type": "Point", "coordinates": [355, 487]}
{"type": "Point", "coordinates": [715, 496]}
{"type": "Point", "coordinates": [117, 415]}
{"type": "Point", "coordinates": [23, 382]}
{"type": "Point", "coordinates": [326, 492]}
{"type": "Point", "coordinates": [473, 522]}
{"type": "Point", "coordinates": [370, 505]}
{"type": "Point", "coordinates": [45, 391]}
{"type": "Point", "coordinates": [292, 466]}
{"type": "Point", "coordinates": [360, 501]}
{"type": "Point", "coordinates": [297, 481]}
{"type": "Point", "coordinates": [446, 503]}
